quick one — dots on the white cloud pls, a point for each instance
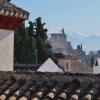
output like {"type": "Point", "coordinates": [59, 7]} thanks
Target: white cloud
{"type": "Point", "coordinates": [54, 30]}
{"type": "Point", "coordinates": [71, 33]}
{"type": "Point", "coordinates": [83, 34]}
{"type": "Point", "coordinates": [97, 34]}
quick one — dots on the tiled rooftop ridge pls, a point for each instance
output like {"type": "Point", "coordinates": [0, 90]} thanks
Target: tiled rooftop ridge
{"type": "Point", "coordinates": [8, 9]}
{"type": "Point", "coordinates": [49, 86]}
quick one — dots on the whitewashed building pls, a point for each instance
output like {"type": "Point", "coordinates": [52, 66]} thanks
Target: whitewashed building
{"type": "Point", "coordinates": [11, 18]}
{"type": "Point", "coordinates": [96, 65]}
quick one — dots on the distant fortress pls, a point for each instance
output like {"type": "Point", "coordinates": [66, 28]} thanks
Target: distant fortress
{"type": "Point", "coordinates": [59, 43]}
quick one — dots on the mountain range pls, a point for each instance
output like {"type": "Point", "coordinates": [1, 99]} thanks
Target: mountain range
{"type": "Point", "coordinates": [91, 42]}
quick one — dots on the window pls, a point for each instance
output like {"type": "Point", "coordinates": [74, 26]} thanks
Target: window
{"type": "Point", "coordinates": [67, 65]}
{"type": "Point", "coordinates": [96, 63]}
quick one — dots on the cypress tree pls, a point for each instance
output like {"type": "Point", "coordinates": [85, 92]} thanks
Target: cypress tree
{"type": "Point", "coordinates": [25, 49]}
{"type": "Point", "coordinates": [32, 52]}
{"type": "Point", "coordinates": [20, 44]}
{"type": "Point", "coordinates": [41, 41]}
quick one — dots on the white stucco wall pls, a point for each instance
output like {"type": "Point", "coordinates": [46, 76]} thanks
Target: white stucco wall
{"type": "Point", "coordinates": [96, 69]}
{"type": "Point", "coordinates": [49, 66]}
{"type": "Point", "coordinates": [63, 62]}
{"type": "Point", "coordinates": [6, 50]}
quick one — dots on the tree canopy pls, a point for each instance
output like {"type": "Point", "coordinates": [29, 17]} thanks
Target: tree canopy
{"type": "Point", "coordinates": [31, 45]}
{"type": "Point", "coordinates": [41, 41]}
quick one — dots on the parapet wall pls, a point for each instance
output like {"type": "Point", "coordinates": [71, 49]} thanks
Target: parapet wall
{"type": "Point", "coordinates": [6, 50]}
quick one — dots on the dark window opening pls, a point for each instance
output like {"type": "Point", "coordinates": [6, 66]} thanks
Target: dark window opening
{"type": "Point", "coordinates": [67, 65]}
{"type": "Point", "coordinates": [96, 64]}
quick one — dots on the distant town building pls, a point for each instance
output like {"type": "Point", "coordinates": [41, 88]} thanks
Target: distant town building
{"type": "Point", "coordinates": [79, 51]}
{"type": "Point", "coordinates": [89, 59]}
{"type": "Point", "coordinates": [72, 63]}
{"type": "Point", "coordinates": [79, 47]}
{"type": "Point", "coordinates": [59, 43]}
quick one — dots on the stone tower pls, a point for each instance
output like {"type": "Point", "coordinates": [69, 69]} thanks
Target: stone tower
{"type": "Point", "coordinates": [59, 43]}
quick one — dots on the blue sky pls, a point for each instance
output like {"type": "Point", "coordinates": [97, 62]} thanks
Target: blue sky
{"type": "Point", "coordinates": [80, 16]}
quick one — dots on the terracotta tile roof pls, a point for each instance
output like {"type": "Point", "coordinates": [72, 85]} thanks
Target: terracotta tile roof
{"type": "Point", "coordinates": [72, 57]}
{"type": "Point", "coordinates": [26, 67]}
{"type": "Point", "coordinates": [77, 66]}
{"type": "Point", "coordinates": [49, 86]}
{"type": "Point", "coordinates": [8, 9]}
{"type": "Point", "coordinates": [67, 57]}
{"type": "Point", "coordinates": [76, 63]}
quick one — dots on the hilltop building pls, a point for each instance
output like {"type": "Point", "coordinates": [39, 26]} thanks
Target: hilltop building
{"type": "Point", "coordinates": [59, 43]}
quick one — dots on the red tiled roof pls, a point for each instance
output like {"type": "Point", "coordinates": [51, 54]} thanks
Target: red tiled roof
{"type": "Point", "coordinates": [49, 86]}
{"type": "Point", "coordinates": [67, 57]}
{"type": "Point", "coordinates": [79, 67]}
{"type": "Point", "coordinates": [8, 9]}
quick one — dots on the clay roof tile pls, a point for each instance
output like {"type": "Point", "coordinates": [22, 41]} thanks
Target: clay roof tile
{"type": "Point", "coordinates": [9, 9]}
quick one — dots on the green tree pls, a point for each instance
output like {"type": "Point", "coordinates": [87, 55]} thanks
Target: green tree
{"type": "Point", "coordinates": [20, 44]}
{"type": "Point", "coordinates": [25, 45]}
{"type": "Point", "coordinates": [31, 43]}
{"type": "Point", "coordinates": [41, 41]}
{"type": "Point", "coordinates": [32, 51]}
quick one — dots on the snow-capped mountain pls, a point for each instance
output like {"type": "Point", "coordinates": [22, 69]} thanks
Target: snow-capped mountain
{"type": "Point", "coordinates": [89, 41]}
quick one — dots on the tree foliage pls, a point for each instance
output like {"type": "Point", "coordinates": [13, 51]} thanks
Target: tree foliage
{"type": "Point", "coordinates": [31, 43]}
{"type": "Point", "coordinates": [24, 50]}
{"type": "Point", "coordinates": [41, 41]}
